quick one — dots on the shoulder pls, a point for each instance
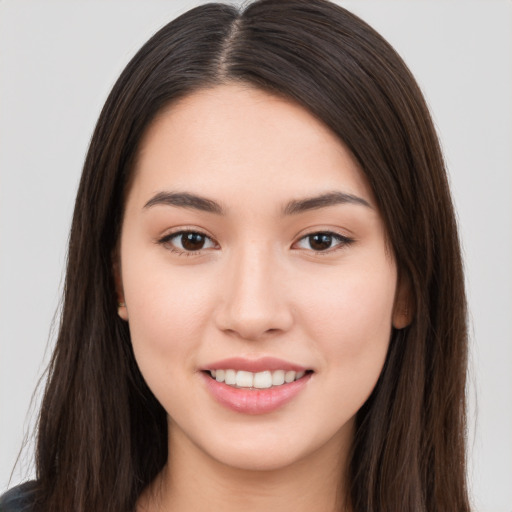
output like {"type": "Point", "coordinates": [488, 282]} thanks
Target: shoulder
{"type": "Point", "coordinates": [19, 498]}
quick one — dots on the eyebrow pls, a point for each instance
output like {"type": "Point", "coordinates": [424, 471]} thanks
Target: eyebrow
{"type": "Point", "coordinates": [322, 201]}
{"type": "Point", "coordinates": [185, 200]}
{"type": "Point", "coordinates": [293, 207]}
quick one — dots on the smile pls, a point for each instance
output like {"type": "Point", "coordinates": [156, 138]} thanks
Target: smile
{"type": "Point", "coordinates": [261, 380]}
{"type": "Point", "coordinates": [255, 386]}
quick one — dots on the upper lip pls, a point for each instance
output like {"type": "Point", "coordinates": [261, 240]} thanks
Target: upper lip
{"type": "Point", "coordinates": [255, 365]}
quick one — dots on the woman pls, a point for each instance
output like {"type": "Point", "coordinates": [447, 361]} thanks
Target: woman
{"type": "Point", "coordinates": [264, 302]}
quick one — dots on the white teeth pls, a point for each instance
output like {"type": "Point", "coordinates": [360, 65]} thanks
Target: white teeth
{"type": "Point", "coordinates": [277, 377]}
{"type": "Point", "coordinates": [244, 379]}
{"type": "Point", "coordinates": [263, 380]}
{"type": "Point", "coordinates": [289, 376]}
{"type": "Point", "coordinates": [260, 380]}
{"type": "Point", "coordinates": [230, 377]}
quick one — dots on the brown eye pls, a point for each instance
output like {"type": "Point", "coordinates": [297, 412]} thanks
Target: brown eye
{"type": "Point", "coordinates": [187, 241]}
{"type": "Point", "coordinates": [322, 242]}
{"type": "Point", "coordinates": [192, 241]}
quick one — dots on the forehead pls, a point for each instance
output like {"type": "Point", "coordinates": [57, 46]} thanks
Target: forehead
{"type": "Point", "coordinates": [236, 137]}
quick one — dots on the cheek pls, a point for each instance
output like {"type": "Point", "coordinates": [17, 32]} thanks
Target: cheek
{"type": "Point", "coordinates": [167, 311]}
{"type": "Point", "coordinates": [351, 323]}
{"type": "Point", "coordinates": [351, 319]}
{"type": "Point", "coordinates": [167, 315]}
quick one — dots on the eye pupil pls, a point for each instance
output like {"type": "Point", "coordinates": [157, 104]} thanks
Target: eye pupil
{"type": "Point", "coordinates": [192, 241]}
{"type": "Point", "coordinates": [320, 241]}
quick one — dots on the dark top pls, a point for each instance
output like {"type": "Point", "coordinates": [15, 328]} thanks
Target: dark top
{"type": "Point", "coordinates": [19, 498]}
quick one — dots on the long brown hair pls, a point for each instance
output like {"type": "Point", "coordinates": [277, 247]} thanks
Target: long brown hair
{"type": "Point", "coordinates": [102, 434]}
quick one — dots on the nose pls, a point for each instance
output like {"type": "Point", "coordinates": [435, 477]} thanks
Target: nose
{"type": "Point", "coordinates": [255, 302]}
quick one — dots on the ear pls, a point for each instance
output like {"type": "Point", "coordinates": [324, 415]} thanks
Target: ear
{"type": "Point", "coordinates": [403, 310]}
{"type": "Point", "coordinates": [122, 311]}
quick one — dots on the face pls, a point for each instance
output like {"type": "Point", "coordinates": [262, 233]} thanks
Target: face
{"type": "Point", "coordinates": [259, 289]}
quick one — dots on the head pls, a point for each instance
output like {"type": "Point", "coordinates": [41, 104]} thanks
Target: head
{"type": "Point", "coordinates": [319, 60]}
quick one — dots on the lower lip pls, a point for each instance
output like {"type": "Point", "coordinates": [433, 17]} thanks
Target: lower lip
{"type": "Point", "coordinates": [254, 401]}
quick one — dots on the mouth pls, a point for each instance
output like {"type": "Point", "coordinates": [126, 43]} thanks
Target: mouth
{"type": "Point", "coordinates": [266, 379]}
{"type": "Point", "coordinates": [255, 386]}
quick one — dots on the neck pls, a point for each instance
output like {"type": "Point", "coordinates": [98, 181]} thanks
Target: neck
{"type": "Point", "coordinates": [192, 480]}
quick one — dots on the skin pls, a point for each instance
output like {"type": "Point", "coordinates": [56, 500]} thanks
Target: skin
{"type": "Point", "coordinates": [257, 288]}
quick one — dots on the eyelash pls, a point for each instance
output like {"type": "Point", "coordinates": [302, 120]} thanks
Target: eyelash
{"type": "Point", "coordinates": [342, 240]}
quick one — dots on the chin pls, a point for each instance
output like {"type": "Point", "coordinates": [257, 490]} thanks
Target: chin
{"type": "Point", "coordinates": [258, 460]}
{"type": "Point", "coordinates": [270, 448]}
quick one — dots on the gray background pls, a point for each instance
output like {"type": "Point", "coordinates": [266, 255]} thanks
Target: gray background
{"type": "Point", "coordinates": [58, 61]}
